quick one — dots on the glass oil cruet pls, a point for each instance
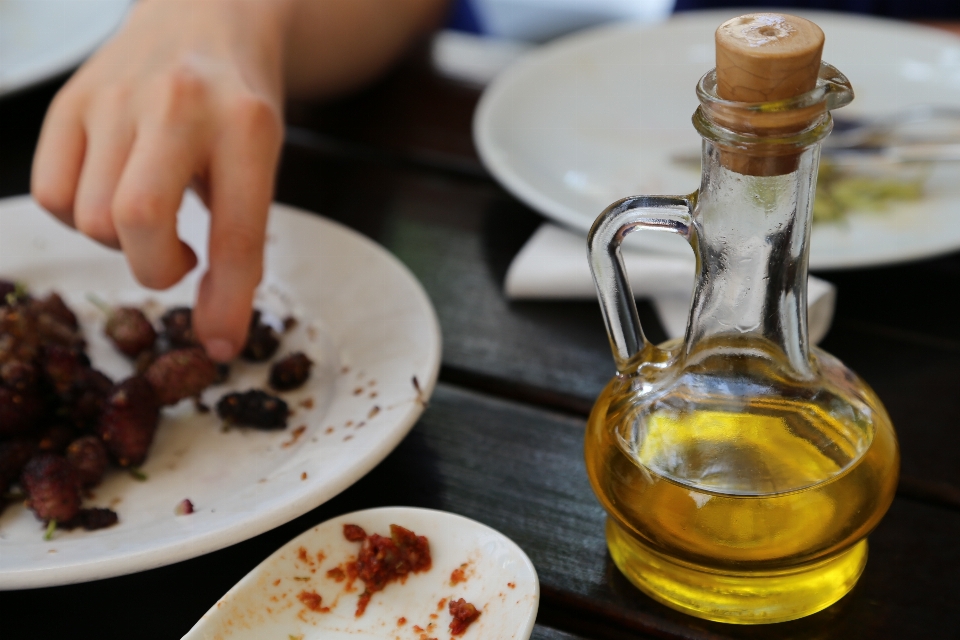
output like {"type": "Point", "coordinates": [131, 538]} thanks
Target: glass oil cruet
{"type": "Point", "coordinates": [741, 468]}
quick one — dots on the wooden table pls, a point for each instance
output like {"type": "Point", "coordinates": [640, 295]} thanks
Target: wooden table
{"type": "Point", "coordinates": [501, 441]}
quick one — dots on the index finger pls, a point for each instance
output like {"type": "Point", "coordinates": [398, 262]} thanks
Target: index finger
{"type": "Point", "coordinates": [242, 170]}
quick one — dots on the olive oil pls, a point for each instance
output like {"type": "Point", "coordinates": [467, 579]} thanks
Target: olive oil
{"type": "Point", "coordinates": [741, 508]}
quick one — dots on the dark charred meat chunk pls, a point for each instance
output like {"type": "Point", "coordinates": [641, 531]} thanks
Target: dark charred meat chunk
{"type": "Point", "coordinates": [97, 518]}
{"type": "Point", "coordinates": [179, 374]}
{"type": "Point", "coordinates": [129, 421]}
{"type": "Point", "coordinates": [62, 366]}
{"type": "Point", "coordinates": [52, 487]}
{"type": "Point", "coordinates": [130, 331]}
{"type": "Point", "coordinates": [86, 399]}
{"type": "Point", "coordinates": [18, 375]}
{"type": "Point", "coordinates": [89, 457]}
{"type": "Point", "coordinates": [20, 411]}
{"type": "Point", "coordinates": [253, 408]}
{"type": "Point", "coordinates": [14, 455]}
{"type": "Point", "coordinates": [54, 306]}
{"type": "Point", "coordinates": [290, 372]}
{"type": "Point", "coordinates": [56, 437]}
{"type": "Point", "coordinates": [178, 328]}
{"type": "Point", "coordinates": [262, 341]}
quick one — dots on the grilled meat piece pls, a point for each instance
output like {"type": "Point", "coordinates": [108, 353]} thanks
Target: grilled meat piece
{"type": "Point", "coordinates": [262, 340]}
{"type": "Point", "coordinates": [129, 420]}
{"type": "Point", "coordinates": [253, 408]}
{"type": "Point", "coordinates": [178, 328]}
{"type": "Point", "coordinates": [130, 331]}
{"type": "Point", "coordinates": [89, 457]}
{"type": "Point", "coordinates": [52, 487]}
{"type": "Point", "coordinates": [290, 372]}
{"type": "Point", "coordinates": [179, 374]}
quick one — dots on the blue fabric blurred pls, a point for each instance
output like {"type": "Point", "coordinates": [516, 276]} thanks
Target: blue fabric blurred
{"type": "Point", "coordinates": [463, 17]}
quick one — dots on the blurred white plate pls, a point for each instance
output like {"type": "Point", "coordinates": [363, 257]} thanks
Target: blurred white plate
{"type": "Point", "coordinates": [597, 116]}
{"type": "Point", "coordinates": [41, 38]}
{"type": "Point", "coordinates": [363, 319]}
{"type": "Point", "coordinates": [500, 581]}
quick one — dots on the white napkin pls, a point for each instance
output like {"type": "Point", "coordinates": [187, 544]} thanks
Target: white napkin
{"type": "Point", "coordinates": [553, 265]}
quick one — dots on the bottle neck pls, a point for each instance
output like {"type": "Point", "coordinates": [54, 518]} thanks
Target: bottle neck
{"type": "Point", "coordinates": [753, 243]}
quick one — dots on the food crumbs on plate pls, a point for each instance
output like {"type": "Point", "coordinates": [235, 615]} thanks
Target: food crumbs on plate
{"type": "Point", "coordinates": [441, 604]}
{"type": "Point", "coordinates": [463, 614]}
{"type": "Point", "coordinates": [374, 410]}
{"type": "Point", "coordinates": [301, 579]}
{"type": "Point", "coordinates": [401, 622]}
{"type": "Point", "coordinates": [384, 560]}
{"type": "Point", "coordinates": [289, 323]}
{"type": "Point", "coordinates": [348, 423]}
{"type": "Point", "coordinates": [295, 435]}
{"type": "Point", "coordinates": [348, 438]}
{"type": "Point", "coordinates": [373, 394]}
{"type": "Point", "coordinates": [293, 637]}
{"type": "Point", "coordinates": [358, 391]}
{"type": "Point", "coordinates": [459, 574]}
{"type": "Point", "coordinates": [512, 585]}
{"type": "Point", "coordinates": [183, 508]}
{"type": "Point", "coordinates": [344, 370]}
{"type": "Point", "coordinates": [303, 476]}
{"type": "Point", "coordinates": [433, 616]}
{"type": "Point", "coordinates": [328, 430]}
{"type": "Point", "coordinates": [321, 556]}
{"type": "Point", "coordinates": [337, 573]}
{"type": "Point", "coordinates": [276, 582]}
{"type": "Point", "coordinates": [307, 403]}
{"type": "Point", "coordinates": [312, 600]}
{"type": "Point", "coordinates": [303, 557]}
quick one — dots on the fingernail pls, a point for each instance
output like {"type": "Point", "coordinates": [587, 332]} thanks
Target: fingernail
{"type": "Point", "coordinates": [219, 349]}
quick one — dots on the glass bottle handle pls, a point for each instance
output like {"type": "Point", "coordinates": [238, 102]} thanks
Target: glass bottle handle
{"type": "Point", "coordinates": [673, 214]}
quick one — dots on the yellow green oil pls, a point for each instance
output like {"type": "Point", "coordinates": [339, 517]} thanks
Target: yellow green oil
{"type": "Point", "coordinates": [741, 508]}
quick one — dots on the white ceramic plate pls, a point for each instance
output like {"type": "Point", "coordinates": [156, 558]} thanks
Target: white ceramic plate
{"type": "Point", "coordinates": [598, 116]}
{"type": "Point", "coordinates": [363, 318]}
{"type": "Point", "coordinates": [41, 38]}
{"type": "Point", "coordinates": [500, 581]}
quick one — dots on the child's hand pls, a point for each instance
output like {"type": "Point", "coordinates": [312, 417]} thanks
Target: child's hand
{"type": "Point", "coordinates": [188, 93]}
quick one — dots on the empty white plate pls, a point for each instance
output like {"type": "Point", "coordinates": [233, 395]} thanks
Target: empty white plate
{"type": "Point", "coordinates": [498, 579]}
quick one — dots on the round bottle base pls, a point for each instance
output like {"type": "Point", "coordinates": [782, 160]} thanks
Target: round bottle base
{"type": "Point", "coordinates": [736, 597]}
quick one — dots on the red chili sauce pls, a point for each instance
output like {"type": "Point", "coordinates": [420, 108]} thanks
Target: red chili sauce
{"type": "Point", "coordinates": [384, 560]}
{"type": "Point", "coordinates": [463, 614]}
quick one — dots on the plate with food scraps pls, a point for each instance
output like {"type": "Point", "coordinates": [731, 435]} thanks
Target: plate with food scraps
{"type": "Point", "coordinates": [606, 113]}
{"type": "Point", "coordinates": [394, 573]}
{"type": "Point", "coordinates": [39, 40]}
{"type": "Point", "coordinates": [349, 305]}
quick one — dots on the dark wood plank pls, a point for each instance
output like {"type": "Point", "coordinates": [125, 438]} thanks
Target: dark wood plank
{"type": "Point", "coordinates": [546, 633]}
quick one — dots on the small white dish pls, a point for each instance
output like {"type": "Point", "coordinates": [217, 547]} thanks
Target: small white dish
{"type": "Point", "coordinates": [39, 39]}
{"type": "Point", "coordinates": [600, 115]}
{"type": "Point", "coordinates": [500, 581]}
{"type": "Point", "coordinates": [362, 317]}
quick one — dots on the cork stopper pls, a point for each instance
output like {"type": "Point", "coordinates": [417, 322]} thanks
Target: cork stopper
{"type": "Point", "coordinates": [763, 57]}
